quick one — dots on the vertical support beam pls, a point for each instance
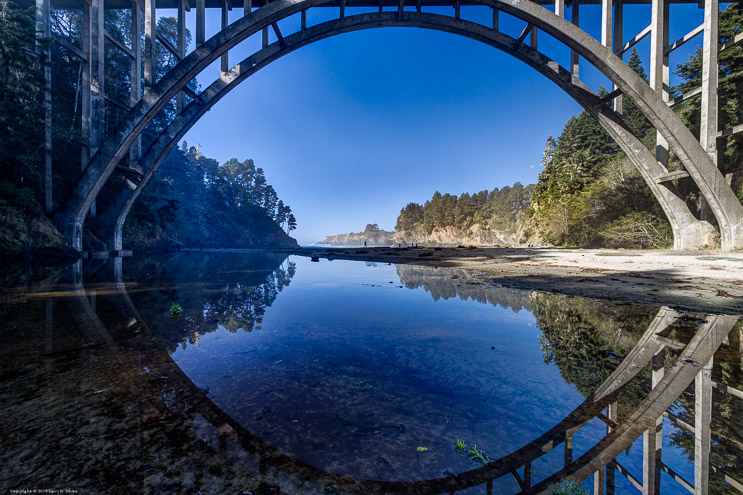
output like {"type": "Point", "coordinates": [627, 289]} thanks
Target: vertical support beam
{"type": "Point", "coordinates": [606, 23]}
{"type": "Point", "coordinates": [97, 80]}
{"type": "Point", "coordinates": [43, 32]}
{"type": "Point", "coordinates": [659, 72]}
{"type": "Point", "coordinates": [200, 23]}
{"type": "Point", "coordinates": [181, 46]}
{"type": "Point", "coordinates": [708, 124]}
{"type": "Point", "coordinates": [456, 9]}
{"type": "Point", "coordinates": [247, 7]}
{"type": "Point", "coordinates": [652, 440]}
{"type": "Point", "coordinates": [304, 19]}
{"type": "Point", "coordinates": [264, 37]}
{"type": "Point", "coordinates": [560, 8]}
{"type": "Point", "coordinates": [702, 419]}
{"type": "Point", "coordinates": [612, 414]}
{"type": "Point", "coordinates": [574, 57]}
{"type": "Point", "coordinates": [85, 83]}
{"type": "Point", "coordinates": [225, 60]}
{"type": "Point", "coordinates": [343, 8]}
{"type": "Point", "coordinates": [568, 447]}
{"type": "Point", "coordinates": [136, 76]}
{"type": "Point", "coordinates": [496, 19]}
{"type": "Point", "coordinates": [150, 33]}
{"type": "Point", "coordinates": [618, 44]}
{"type": "Point", "coordinates": [533, 39]}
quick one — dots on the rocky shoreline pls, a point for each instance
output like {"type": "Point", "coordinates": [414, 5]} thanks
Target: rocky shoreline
{"type": "Point", "coordinates": [706, 281]}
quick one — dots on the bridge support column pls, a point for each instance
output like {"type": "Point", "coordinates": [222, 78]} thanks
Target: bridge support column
{"type": "Point", "coordinates": [652, 440]}
{"type": "Point", "coordinates": [702, 420]}
{"type": "Point", "coordinates": [225, 59]}
{"type": "Point", "coordinates": [618, 34]}
{"type": "Point", "coordinates": [574, 57]}
{"type": "Point", "coordinates": [97, 58]}
{"type": "Point", "coordinates": [150, 33]}
{"type": "Point", "coordinates": [708, 118]}
{"type": "Point", "coordinates": [181, 42]}
{"type": "Point", "coordinates": [43, 34]}
{"type": "Point", "coordinates": [136, 79]}
{"type": "Point", "coordinates": [659, 72]}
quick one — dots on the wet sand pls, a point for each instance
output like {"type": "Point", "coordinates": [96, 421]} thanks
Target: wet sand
{"type": "Point", "coordinates": [706, 281]}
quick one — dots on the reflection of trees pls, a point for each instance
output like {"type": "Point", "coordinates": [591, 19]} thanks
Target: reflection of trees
{"type": "Point", "coordinates": [448, 283]}
{"type": "Point", "coordinates": [587, 339]}
{"type": "Point", "coordinates": [231, 290]}
{"type": "Point", "coordinates": [726, 427]}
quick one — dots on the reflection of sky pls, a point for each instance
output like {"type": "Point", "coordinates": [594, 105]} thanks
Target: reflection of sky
{"type": "Point", "coordinates": [341, 341]}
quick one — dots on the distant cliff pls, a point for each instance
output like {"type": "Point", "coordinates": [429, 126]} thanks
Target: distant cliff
{"type": "Point", "coordinates": [372, 238]}
{"type": "Point", "coordinates": [450, 236]}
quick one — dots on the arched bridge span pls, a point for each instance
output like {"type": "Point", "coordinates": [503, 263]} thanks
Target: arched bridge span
{"type": "Point", "coordinates": [688, 231]}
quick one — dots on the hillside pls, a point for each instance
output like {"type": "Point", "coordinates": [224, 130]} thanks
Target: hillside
{"type": "Point", "coordinates": [373, 236]}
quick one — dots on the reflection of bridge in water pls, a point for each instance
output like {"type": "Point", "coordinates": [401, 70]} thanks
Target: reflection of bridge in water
{"type": "Point", "coordinates": [179, 400]}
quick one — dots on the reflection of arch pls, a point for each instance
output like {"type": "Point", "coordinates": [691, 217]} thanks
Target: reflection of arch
{"type": "Point", "coordinates": [699, 351]}
{"type": "Point", "coordinates": [724, 204]}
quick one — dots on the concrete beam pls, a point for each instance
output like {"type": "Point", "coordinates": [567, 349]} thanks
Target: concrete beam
{"type": "Point", "coordinates": [181, 42]}
{"type": "Point", "coordinates": [43, 38]}
{"type": "Point", "coordinates": [702, 422]}
{"type": "Point", "coordinates": [659, 71]}
{"type": "Point", "coordinates": [708, 119]}
{"type": "Point", "coordinates": [135, 76]}
{"type": "Point", "coordinates": [150, 35]}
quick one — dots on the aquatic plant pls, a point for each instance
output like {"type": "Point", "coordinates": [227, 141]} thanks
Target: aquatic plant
{"type": "Point", "coordinates": [478, 455]}
{"type": "Point", "coordinates": [461, 445]}
{"type": "Point", "coordinates": [567, 487]}
{"type": "Point", "coordinates": [175, 310]}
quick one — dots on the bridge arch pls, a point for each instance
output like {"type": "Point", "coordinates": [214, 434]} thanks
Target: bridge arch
{"type": "Point", "coordinates": [688, 231]}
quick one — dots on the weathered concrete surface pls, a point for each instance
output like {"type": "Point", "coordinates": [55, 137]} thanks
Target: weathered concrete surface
{"type": "Point", "coordinates": [688, 231]}
{"type": "Point", "coordinates": [722, 201]}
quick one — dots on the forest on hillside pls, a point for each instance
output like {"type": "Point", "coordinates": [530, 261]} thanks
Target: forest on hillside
{"type": "Point", "coordinates": [234, 196]}
{"type": "Point", "coordinates": [588, 193]}
{"type": "Point", "coordinates": [499, 209]}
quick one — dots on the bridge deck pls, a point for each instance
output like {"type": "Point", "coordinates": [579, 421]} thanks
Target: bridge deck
{"type": "Point", "coordinates": [235, 4]}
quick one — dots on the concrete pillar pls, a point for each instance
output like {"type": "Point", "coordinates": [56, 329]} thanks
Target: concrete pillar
{"type": "Point", "coordinates": [659, 72]}
{"type": "Point", "coordinates": [150, 34]}
{"type": "Point", "coordinates": [702, 420]}
{"type": "Point", "coordinates": [560, 8]}
{"type": "Point", "coordinates": [43, 34]}
{"type": "Point", "coordinates": [85, 84]}
{"type": "Point", "coordinates": [618, 33]}
{"type": "Point", "coordinates": [574, 57]}
{"type": "Point", "coordinates": [612, 414]}
{"type": "Point", "coordinates": [136, 77]}
{"type": "Point", "coordinates": [200, 23]}
{"type": "Point", "coordinates": [652, 439]}
{"type": "Point", "coordinates": [97, 81]}
{"type": "Point", "coordinates": [264, 37]}
{"type": "Point", "coordinates": [533, 39]}
{"type": "Point", "coordinates": [181, 42]}
{"type": "Point", "coordinates": [248, 7]}
{"type": "Point", "coordinates": [496, 19]}
{"type": "Point", "coordinates": [606, 23]}
{"type": "Point", "coordinates": [225, 59]}
{"type": "Point", "coordinates": [708, 124]}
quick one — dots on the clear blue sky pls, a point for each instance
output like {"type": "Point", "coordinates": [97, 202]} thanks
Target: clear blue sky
{"type": "Point", "coordinates": [352, 128]}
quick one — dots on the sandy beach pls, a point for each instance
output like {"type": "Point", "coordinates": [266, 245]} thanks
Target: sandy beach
{"type": "Point", "coordinates": [705, 281]}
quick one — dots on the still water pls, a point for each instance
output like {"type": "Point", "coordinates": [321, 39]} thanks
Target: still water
{"type": "Point", "coordinates": [283, 375]}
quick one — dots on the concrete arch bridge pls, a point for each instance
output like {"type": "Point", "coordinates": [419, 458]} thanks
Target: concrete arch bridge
{"type": "Point", "coordinates": [103, 154]}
